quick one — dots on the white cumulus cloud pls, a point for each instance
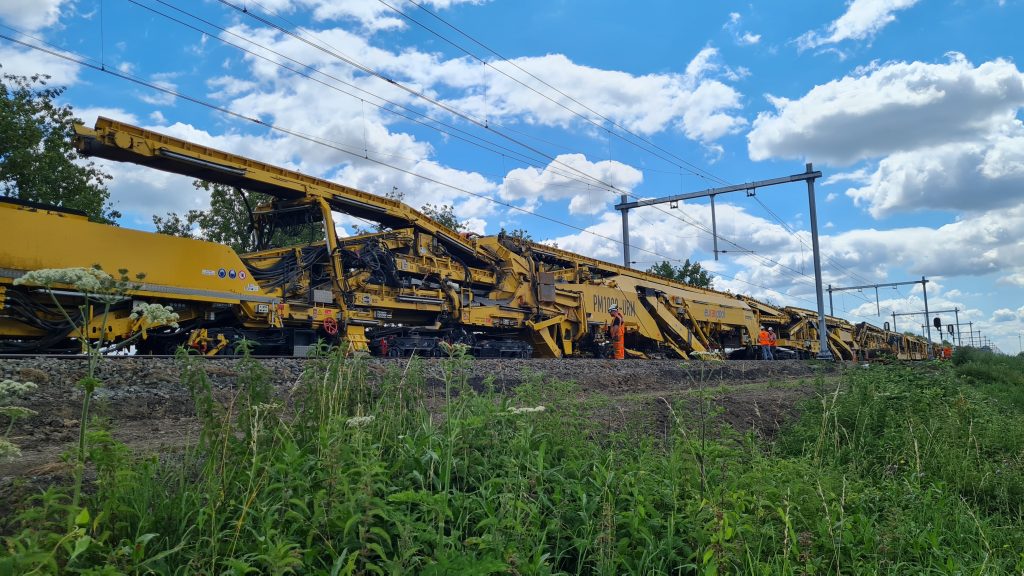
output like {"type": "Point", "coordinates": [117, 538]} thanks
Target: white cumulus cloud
{"type": "Point", "coordinates": [372, 15]}
{"type": "Point", "coordinates": [961, 177]}
{"type": "Point", "coordinates": [695, 102]}
{"type": "Point", "coordinates": [31, 15]}
{"type": "Point", "coordinates": [1004, 315]}
{"type": "Point", "coordinates": [566, 179]}
{"type": "Point", "coordinates": [740, 37]}
{"type": "Point", "coordinates": [936, 136]}
{"type": "Point", "coordinates": [26, 62]}
{"type": "Point", "coordinates": [891, 108]}
{"type": "Point", "coordinates": [862, 20]}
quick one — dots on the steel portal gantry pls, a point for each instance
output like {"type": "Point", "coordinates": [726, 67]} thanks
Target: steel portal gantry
{"type": "Point", "coordinates": [955, 311]}
{"type": "Point", "coordinates": [808, 176]}
{"type": "Point", "coordinates": [924, 287]}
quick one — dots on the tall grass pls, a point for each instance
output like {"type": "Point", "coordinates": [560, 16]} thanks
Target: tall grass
{"type": "Point", "coordinates": [898, 470]}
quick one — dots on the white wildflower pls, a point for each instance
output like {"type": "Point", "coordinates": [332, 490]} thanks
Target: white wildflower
{"type": "Point", "coordinates": [8, 451]}
{"type": "Point", "coordinates": [89, 280]}
{"type": "Point", "coordinates": [358, 421]}
{"type": "Point", "coordinates": [148, 315]}
{"type": "Point", "coordinates": [526, 410]}
{"type": "Point", "coordinates": [12, 388]}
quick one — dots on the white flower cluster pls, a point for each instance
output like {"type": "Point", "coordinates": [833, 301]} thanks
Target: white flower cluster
{"type": "Point", "coordinates": [358, 421]}
{"type": "Point", "coordinates": [154, 315]}
{"type": "Point", "coordinates": [526, 410]}
{"type": "Point", "coordinates": [89, 280]}
{"type": "Point", "coordinates": [11, 388]}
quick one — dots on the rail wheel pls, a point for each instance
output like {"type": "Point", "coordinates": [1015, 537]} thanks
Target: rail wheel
{"type": "Point", "coordinates": [330, 326]}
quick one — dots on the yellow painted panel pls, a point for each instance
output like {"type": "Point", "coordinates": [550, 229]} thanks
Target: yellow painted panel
{"type": "Point", "coordinates": [34, 239]}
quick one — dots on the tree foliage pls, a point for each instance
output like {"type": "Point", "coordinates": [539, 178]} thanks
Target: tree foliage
{"type": "Point", "coordinates": [38, 162]}
{"type": "Point", "coordinates": [518, 234]}
{"type": "Point", "coordinates": [230, 220]}
{"type": "Point", "coordinates": [443, 214]}
{"type": "Point", "coordinates": [691, 273]}
{"type": "Point", "coordinates": [226, 221]}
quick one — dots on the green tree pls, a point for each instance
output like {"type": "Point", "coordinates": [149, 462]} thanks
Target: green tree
{"type": "Point", "coordinates": [227, 220]}
{"type": "Point", "coordinates": [37, 158]}
{"type": "Point", "coordinates": [230, 220]}
{"type": "Point", "coordinates": [518, 234]}
{"type": "Point", "coordinates": [443, 214]}
{"type": "Point", "coordinates": [691, 273]}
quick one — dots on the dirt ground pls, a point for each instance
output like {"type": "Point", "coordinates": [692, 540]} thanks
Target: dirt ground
{"type": "Point", "coordinates": [150, 410]}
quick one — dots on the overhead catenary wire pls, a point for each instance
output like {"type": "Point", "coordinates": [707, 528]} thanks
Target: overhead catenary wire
{"type": "Point", "coordinates": [552, 160]}
{"type": "Point", "coordinates": [128, 77]}
{"type": "Point", "coordinates": [787, 269]}
{"type": "Point", "coordinates": [461, 32]}
{"type": "Point", "coordinates": [693, 169]}
{"type": "Point", "coordinates": [449, 129]}
{"type": "Point", "coordinates": [323, 142]}
{"type": "Point", "coordinates": [520, 158]}
{"type": "Point", "coordinates": [793, 233]}
{"type": "Point", "coordinates": [327, 49]}
{"type": "Point", "coordinates": [690, 167]}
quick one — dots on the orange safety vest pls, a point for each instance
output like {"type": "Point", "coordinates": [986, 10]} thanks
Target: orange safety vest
{"type": "Point", "coordinates": [763, 339]}
{"type": "Point", "coordinates": [617, 332]}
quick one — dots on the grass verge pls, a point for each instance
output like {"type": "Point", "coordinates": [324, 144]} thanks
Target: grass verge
{"type": "Point", "coordinates": [893, 469]}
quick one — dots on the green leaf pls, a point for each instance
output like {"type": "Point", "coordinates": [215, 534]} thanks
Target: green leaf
{"type": "Point", "coordinates": [81, 545]}
{"type": "Point", "coordinates": [82, 519]}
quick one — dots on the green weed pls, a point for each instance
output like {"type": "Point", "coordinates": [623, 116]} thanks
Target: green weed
{"type": "Point", "coordinates": [353, 470]}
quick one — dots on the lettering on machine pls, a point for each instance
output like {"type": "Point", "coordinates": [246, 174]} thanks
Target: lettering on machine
{"type": "Point", "coordinates": [714, 314]}
{"type": "Point", "coordinates": [602, 303]}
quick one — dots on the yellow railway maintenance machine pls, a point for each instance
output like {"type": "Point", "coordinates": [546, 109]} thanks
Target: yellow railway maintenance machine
{"type": "Point", "coordinates": [204, 282]}
{"type": "Point", "coordinates": [396, 292]}
{"type": "Point", "coordinates": [403, 290]}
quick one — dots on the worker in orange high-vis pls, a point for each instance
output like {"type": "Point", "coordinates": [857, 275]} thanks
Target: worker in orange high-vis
{"type": "Point", "coordinates": [617, 333]}
{"type": "Point", "coordinates": [764, 340]}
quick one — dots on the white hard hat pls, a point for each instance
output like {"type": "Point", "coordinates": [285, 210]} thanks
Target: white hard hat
{"type": "Point", "coordinates": [613, 307]}
{"type": "Point", "coordinates": [762, 327]}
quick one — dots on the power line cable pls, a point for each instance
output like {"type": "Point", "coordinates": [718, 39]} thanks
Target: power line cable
{"type": "Point", "coordinates": [695, 170]}
{"type": "Point", "coordinates": [450, 130]}
{"type": "Point", "coordinates": [291, 132]}
{"type": "Point", "coordinates": [327, 49]}
{"type": "Point", "coordinates": [547, 167]}
{"type": "Point", "coordinates": [543, 95]}
{"type": "Point", "coordinates": [128, 77]}
{"type": "Point", "coordinates": [560, 92]}
{"type": "Point", "coordinates": [793, 233]}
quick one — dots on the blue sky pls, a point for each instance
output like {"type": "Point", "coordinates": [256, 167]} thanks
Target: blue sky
{"type": "Point", "coordinates": [910, 108]}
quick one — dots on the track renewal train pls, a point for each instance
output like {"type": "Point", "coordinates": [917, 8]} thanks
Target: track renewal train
{"type": "Point", "coordinates": [402, 290]}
